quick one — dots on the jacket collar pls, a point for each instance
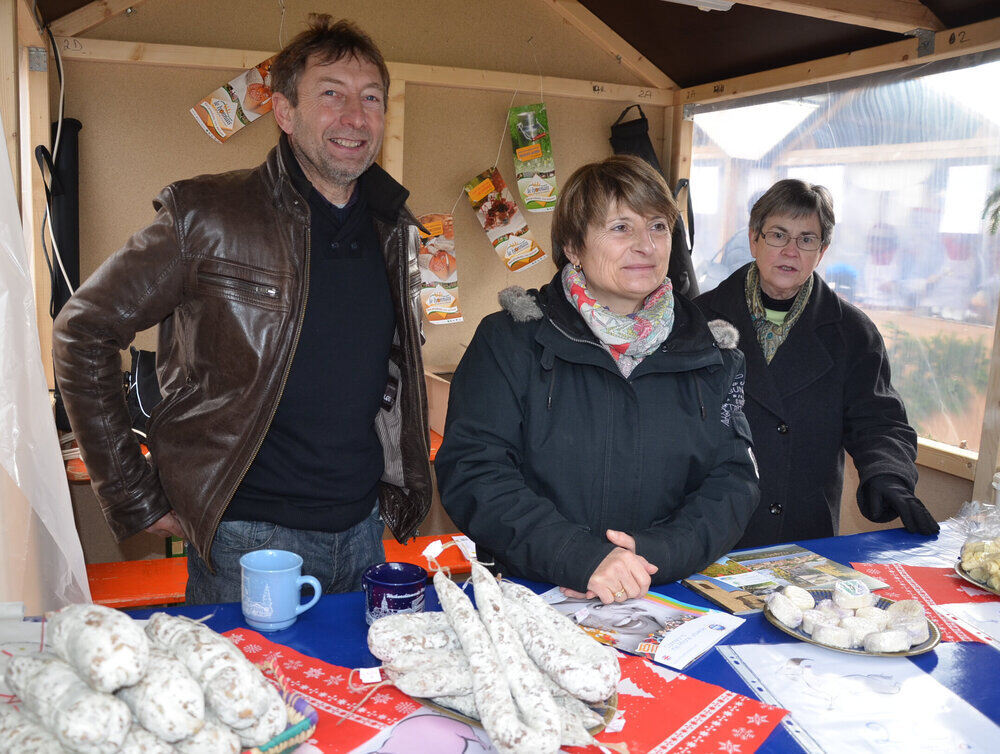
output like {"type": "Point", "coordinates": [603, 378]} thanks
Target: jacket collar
{"type": "Point", "coordinates": [385, 196]}
{"type": "Point", "coordinates": [568, 336]}
{"type": "Point", "coordinates": [801, 360]}
{"type": "Point", "coordinates": [729, 299]}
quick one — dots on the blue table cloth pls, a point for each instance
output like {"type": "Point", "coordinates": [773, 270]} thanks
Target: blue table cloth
{"type": "Point", "coordinates": [335, 630]}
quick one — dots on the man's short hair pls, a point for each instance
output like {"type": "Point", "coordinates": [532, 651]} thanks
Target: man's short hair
{"type": "Point", "coordinates": [797, 199]}
{"type": "Point", "coordinates": [593, 189]}
{"type": "Point", "coordinates": [329, 41]}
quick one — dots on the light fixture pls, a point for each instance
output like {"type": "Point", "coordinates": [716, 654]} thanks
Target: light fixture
{"type": "Point", "coordinates": [706, 4]}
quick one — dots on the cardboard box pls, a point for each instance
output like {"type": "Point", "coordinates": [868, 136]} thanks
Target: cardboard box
{"type": "Point", "coordinates": [438, 381]}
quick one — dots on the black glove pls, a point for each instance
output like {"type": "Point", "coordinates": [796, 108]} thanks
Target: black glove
{"type": "Point", "coordinates": [883, 497]}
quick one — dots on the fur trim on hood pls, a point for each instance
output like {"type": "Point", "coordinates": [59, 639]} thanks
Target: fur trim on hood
{"type": "Point", "coordinates": [519, 304]}
{"type": "Point", "coordinates": [726, 336]}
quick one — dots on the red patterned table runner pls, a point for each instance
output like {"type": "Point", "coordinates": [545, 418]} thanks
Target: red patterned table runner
{"type": "Point", "coordinates": [929, 586]}
{"type": "Point", "coordinates": [677, 715]}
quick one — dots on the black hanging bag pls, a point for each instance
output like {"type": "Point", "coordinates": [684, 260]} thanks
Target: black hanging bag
{"type": "Point", "coordinates": [632, 137]}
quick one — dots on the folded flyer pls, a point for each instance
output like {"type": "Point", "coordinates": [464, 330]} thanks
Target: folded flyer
{"type": "Point", "coordinates": [655, 626]}
{"type": "Point", "coordinates": [767, 569]}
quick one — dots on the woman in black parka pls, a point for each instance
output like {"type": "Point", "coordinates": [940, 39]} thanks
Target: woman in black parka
{"type": "Point", "coordinates": [817, 380]}
{"type": "Point", "coordinates": [595, 437]}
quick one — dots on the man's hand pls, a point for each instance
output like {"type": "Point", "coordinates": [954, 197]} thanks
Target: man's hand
{"type": "Point", "coordinates": [886, 496]}
{"type": "Point", "coordinates": [166, 526]}
{"type": "Point", "coordinates": [621, 575]}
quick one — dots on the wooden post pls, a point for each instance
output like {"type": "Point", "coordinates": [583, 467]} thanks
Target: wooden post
{"type": "Point", "coordinates": [34, 126]}
{"type": "Point", "coordinates": [682, 135]}
{"type": "Point", "coordinates": [8, 84]}
{"type": "Point", "coordinates": [989, 440]}
{"type": "Point", "coordinates": [392, 142]}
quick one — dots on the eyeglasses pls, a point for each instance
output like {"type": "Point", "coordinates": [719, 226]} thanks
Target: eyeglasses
{"type": "Point", "coordinates": [805, 242]}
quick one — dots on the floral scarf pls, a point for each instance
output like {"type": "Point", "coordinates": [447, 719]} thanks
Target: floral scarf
{"type": "Point", "coordinates": [770, 335]}
{"type": "Point", "coordinates": [629, 338]}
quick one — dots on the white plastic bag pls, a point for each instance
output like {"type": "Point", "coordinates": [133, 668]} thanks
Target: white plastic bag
{"type": "Point", "coordinates": [41, 561]}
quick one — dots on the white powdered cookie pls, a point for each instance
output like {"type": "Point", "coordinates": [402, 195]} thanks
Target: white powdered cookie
{"type": "Point", "coordinates": [833, 636]}
{"type": "Point", "coordinates": [887, 641]}
{"type": "Point", "coordinates": [852, 594]}
{"type": "Point", "coordinates": [876, 615]}
{"type": "Point", "coordinates": [799, 597]}
{"type": "Point", "coordinates": [905, 610]}
{"type": "Point", "coordinates": [784, 610]}
{"type": "Point", "coordinates": [917, 628]}
{"type": "Point", "coordinates": [858, 628]}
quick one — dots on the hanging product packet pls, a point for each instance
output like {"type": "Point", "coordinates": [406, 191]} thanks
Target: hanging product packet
{"type": "Point", "coordinates": [534, 168]}
{"type": "Point", "coordinates": [236, 104]}
{"type": "Point", "coordinates": [438, 269]}
{"type": "Point", "coordinates": [502, 220]}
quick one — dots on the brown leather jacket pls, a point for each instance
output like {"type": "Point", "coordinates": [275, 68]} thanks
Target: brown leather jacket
{"type": "Point", "coordinates": [224, 271]}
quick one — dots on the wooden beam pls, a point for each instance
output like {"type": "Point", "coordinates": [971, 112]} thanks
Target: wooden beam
{"type": "Point", "coordinates": [899, 16]}
{"type": "Point", "coordinates": [90, 15]}
{"type": "Point", "coordinates": [949, 43]}
{"type": "Point", "coordinates": [608, 40]}
{"type": "Point", "coordinates": [8, 84]}
{"type": "Point", "coordinates": [34, 102]}
{"type": "Point", "coordinates": [947, 458]}
{"type": "Point", "coordinates": [180, 56]}
{"type": "Point", "coordinates": [28, 32]}
{"type": "Point", "coordinates": [989, 439]}
{"type": "Point", "coordinates": [681, 139]}
{"type": "Point", "coordinates": [918, 150]}
{"type": "Point", "coordinates": [392, 142]}
{"type": "Point", "coordinates": [107, 51]}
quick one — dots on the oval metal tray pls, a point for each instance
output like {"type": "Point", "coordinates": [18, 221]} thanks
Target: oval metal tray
{"type": "Point", "coordinates": [882, 602]}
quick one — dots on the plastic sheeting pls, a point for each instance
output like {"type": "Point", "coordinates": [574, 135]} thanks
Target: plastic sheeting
{"type": "Point", "coordinates": [41, 561]}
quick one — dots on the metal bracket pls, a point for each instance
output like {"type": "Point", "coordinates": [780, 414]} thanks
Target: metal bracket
{"type": "Point", "coordinates": [688, 111]}
{"type": "Point", "coordinates": [925, 41]}
{"type": "Point", "coordinates": [38, 59]}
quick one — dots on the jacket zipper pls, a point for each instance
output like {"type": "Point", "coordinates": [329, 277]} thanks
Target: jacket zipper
{"type": "Point", "coordinates": [268, 291]}
{"type": "Point", "coordinates": [277, 400]}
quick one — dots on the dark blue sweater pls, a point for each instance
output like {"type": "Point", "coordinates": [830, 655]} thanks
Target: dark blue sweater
{"type": "Point", "coordinates": [321, 460]}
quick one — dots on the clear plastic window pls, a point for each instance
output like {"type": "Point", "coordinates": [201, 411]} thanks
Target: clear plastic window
{"type": "Point", "coordinates": [910, 163]}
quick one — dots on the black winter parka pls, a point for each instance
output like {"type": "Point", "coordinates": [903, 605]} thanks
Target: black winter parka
{"type": "Point", "coordinates": [547, 445]}
{"type": "Point", "coordinates": [826, 389]}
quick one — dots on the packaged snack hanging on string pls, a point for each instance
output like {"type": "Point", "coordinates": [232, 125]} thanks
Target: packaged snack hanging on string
{"type": "Point", "coordinates": [534, 168]}
{"type": "Point", "coordinates": [236, 104]}
{"type": "Point", "coordinates": [502, 220]}
{"type": "Point", "coordinates": [438, 269]}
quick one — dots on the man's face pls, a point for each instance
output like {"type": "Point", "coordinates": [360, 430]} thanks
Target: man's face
{"type": "Point", "coordinates": [336, 128]}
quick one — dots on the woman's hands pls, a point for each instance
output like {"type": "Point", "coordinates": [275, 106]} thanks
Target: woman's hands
{"type": "Point", "coordinates": [621, 575]}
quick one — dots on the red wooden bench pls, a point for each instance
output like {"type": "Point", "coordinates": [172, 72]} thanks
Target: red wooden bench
{"type": "Point", "coordinates": [138, 583]}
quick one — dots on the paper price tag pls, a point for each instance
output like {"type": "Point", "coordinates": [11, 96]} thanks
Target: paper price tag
{"type": "Point", "coordinates": [581, 614]}
{"type": "Point", "coordinates": [370, 675]}
{"type": "Point", "coordinates": [434, 549]}
{"type": "Point", "coordinates": [466, 545]}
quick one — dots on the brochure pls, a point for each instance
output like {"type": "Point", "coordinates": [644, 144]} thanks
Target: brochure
{"type": "Point", "coordinates": [767, 569]}
{"type": "Point", "coordinates": [654, 626]}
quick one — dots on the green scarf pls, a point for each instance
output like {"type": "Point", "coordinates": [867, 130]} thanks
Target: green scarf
{"type": "Point", "coordinates": [770, 335]}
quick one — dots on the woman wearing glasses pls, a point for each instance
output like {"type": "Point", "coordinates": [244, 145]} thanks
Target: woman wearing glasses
{"type": "Point", "coordinates": [595, 437]}
{"type": "Point", "coordinates": [817, 380]}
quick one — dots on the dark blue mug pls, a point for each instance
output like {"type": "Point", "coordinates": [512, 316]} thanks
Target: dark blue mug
{"type": "Point", "coordinates": [393, 588]}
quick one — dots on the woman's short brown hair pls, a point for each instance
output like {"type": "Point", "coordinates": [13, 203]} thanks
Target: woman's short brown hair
{"type": "Point", "coordinates": [797, 199]}
{"type": "Point", "coordinates": [329, 41]}
{"type": "Point", "coordinates": [593, 189]}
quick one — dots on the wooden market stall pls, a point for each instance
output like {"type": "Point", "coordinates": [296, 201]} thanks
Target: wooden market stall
{"type": "Point", "coordinates": [133, 69]}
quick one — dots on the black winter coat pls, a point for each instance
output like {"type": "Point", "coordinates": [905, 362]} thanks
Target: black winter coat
{"type": "Point", "coordinates": [826, 389]}
{"type": "Point", "coordinates": [547, 445]}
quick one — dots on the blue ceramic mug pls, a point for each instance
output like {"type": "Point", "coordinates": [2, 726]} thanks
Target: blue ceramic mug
{"type": "Point", "coordinates": [272, 584]}
{"type": "Point", "coordinates": [393, 588]}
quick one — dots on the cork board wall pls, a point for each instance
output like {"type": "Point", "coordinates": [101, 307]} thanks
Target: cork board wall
{"type": "Point", "coordinates": [138, 136]}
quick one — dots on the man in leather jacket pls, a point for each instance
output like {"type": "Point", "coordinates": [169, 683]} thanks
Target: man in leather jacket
{"type": "Point", "coordinates": [294, 409]}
